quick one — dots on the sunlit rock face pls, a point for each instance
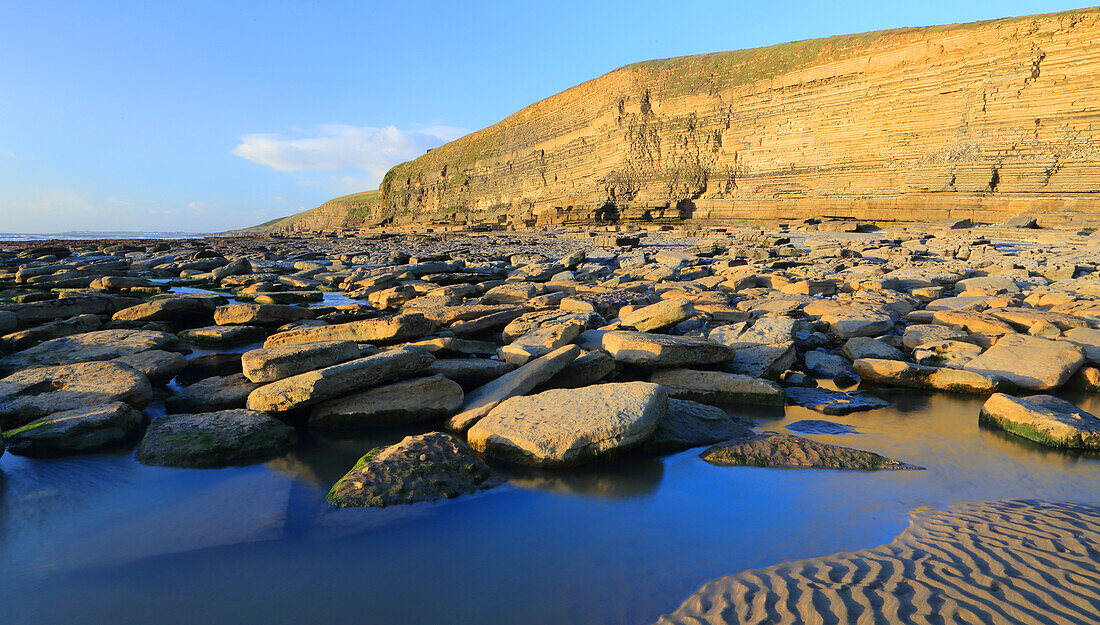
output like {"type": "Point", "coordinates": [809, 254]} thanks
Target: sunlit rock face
{"type": "Point", "coordinates": [983, 120]}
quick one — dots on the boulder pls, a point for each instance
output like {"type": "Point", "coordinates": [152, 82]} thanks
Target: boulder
{"type": "Point", "coordinates": [214, 439]}
{"type": "Point", "coordinates": [394, 404]}
{"type": "Point", "coordinates": [470, 373]}
{"type": "Point", "coordinates": [86, 347]}
{"type": "Point", "coordinates": [1086, 379]}
{"type": "Point", "coordinates": [586, 369]}
{"type": "Point", "coordinates": [259, 314]}
{"type": "Point", "coordinates": [819, 427]}
{"type": "Point", "coordinates": [833, 402]}
{"type": "Point", "coordinates": [316, 386]}
{"type": "Point", "coordinates": [541, 341]}
{"type": "Point", "coordinates": [865, 347]}
{"type": "Point", "coordinates": [222, 335]}
{"type": "Point", "coordinates": [692, 424]}
{"type": "Point", "coordinates": [563, 427]}
{"type": "Point", "coordinates": [770, 449]}
{"type": "Point", "coordinates": [34, 393]}
{"type": "Point", "coordinates": [763, 361]}
{"type": "Point", "coordinates": [909, 375]}
{"type": "Point", "coordinates": [420, 468]}
{"type": "Point", "coordinates": [953, 354]}
{"type": "Point", "coordinates": [764, 331]}
{"type": "Point", "coordinates": [398, 328]}
{"type": "Point", "coordinates": [157, 365]}
{"type": "Point", "coordinates": [718, 388]}
{"type": "Point", "coordinates": [52, 330]}
{"type": "Point", "coordinates": [521, 381]}
{"type": "Point", "coordinates": [971, 321]}
{"type": "Point", "coordinates": [659, 350]}
{"type": "Point", "coordinates": [212, 394]}
{"type": "Point", "coordinates": [1044, 419]}
{"type": "Point", "coordinates": [209, 365]}
{"type": "Point", "coordinates": [832, 367]}
{"type": "Point", "coordinates": [81, 430]}
{"type": "Point", "coordinates": [191, 310]}
{"type": "Point", "coordinates": [856, 320]}
{"type": "Point", "coordinates": [9, 321]}
{"type": "Point", "coordinates": [1029, 362]}
{"type": "Point", "coordinates": [919, 334]}
{"type": "Point", "coordinates": [1087, 339]}
{"type": "Point", "coordinates": [663, 314]}
{"type": "Point", "coordinates": [269, 364]}
{"type": "Point", "coordinates": [34, 313]}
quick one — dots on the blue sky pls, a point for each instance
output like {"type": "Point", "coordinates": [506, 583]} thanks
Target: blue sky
{"type": "Point", "coordinates": [205, 116]}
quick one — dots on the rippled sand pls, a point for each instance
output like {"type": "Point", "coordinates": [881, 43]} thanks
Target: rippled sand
{"type": "Point", "coordinates": [991, 562]}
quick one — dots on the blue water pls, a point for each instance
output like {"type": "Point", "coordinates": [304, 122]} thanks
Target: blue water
{"type": "Point", "coordinates": [82, 235]}
{"type": "Point", "coordinates": [103, 539]}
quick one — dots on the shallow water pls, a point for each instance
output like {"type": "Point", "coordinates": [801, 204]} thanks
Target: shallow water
{"type": "Point", "coordinates": [104, 539]}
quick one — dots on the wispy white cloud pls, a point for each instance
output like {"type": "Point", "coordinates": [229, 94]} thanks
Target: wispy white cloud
{"type": "Point", "coordinates": [347, 151]}
{"type": "Point", "coordinates": [5, 154]}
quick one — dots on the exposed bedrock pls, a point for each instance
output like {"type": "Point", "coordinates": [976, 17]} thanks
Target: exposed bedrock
{"type": "Point", "coordinates": [982, 121]}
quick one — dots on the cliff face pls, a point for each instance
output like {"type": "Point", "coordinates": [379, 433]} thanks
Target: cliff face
{"type": "Point", "coordinates": [982, 120]}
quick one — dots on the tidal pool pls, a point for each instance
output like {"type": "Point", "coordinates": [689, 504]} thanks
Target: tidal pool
{"type": "Point", "coordinates": [103, 539]}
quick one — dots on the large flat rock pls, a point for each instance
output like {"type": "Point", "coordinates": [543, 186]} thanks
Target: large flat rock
{"type": "Point", "coordinates": [769, 449]}
{"type": "Point", "coordinates": [1029, 362]}
{"type": "Point", "coordinates": [564, 427]}
{"type": "Point", "coordinates": [34, 393]}
{"type": "Point", "coordinates": [662, 350]}
{"type": "Point", "coordinates": [397, 328]}
{"type": "Point", "coordinates": [316, 386]}
{"type": "Point", "coordinates": [909, 375]}
{"type": "Point", "coordinates": [214, 439]}
{"type": "Point", "coordinates": [394, 404]}
{"type": "Point", "coordinates": [1044, 419]}
{"type": "Point", "coordinates": [718, 388]}
{"type": "Point", "coordinates": [86, 347]}
{"type": "Point", "coordinates": [521, 381]}
{"type": "Point", "coordinates": [81, 430]}
{"type": "Point", "coordinates": [269, 364]}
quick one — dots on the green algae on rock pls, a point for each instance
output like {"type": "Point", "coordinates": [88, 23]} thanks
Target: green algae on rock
{"type": "Point", "coordinates": [769, 449]}
{"type": "Point", "coordinates": [1044, 419]}
{"type": "Point", "coordinates": [82, 430]}
{"type": "Point", "coordinates": [419, 468]}
{"type": "Point", "coordinates": [214, 439]}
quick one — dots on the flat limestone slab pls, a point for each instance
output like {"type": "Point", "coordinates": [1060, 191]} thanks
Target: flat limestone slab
{"type": "Point", "coordinates": [407, 401]}
{"type": "Point", "coordinates": [662, 350]}
{"type": "Point", "coordinates": [356, 375]}
{"type": "Point", "coordinates": [481, 400]}
{"type": "Point", "coordinates": [718, 388]}
{"type": "Point", "coordinates": [86, 347]}
{"type": "Point", "coordinates": [1044, 419]}
{"type": "Point", "coordinates": [269, 364]}
{"type": "Point", "coordinates": [769, 449]}
{"type": "Point", "coordinates": [909, 375]}
{"type": "Point", "coordinates": [34, 393]}
{"type": "Point", "coordinates": [81, 430]}
{"type": "Point", "coordinates": [397, 328]}
{"type": "Point", "coordinates": [214, 439]}
{"type": "Point", "coordinates": [564, 427]}
{"type": "Point", "coordinates": [1029, 362]}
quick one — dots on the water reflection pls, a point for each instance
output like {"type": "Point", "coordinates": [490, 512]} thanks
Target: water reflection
{"type": "Point", "coordinates": [103, 538]}
{"type": "Point", "coordinates": [629, 477]}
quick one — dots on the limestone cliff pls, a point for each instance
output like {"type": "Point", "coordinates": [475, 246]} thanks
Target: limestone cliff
{"type": "Point", "coordinates": [982, 120]}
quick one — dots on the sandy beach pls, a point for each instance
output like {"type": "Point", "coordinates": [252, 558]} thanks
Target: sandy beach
{"type": "Point", "coordinates": [1000, 562]}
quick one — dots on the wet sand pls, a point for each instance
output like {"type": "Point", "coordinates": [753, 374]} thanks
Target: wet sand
{"type": "Point", "coordinates": [997, 562]}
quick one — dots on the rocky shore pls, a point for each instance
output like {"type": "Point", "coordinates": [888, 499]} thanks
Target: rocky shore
{"type": "Point", "coordinates": [543, 349]}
